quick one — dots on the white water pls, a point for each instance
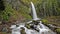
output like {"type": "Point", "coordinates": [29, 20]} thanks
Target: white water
{"type": "Point", "coordinates": [34, 12]}
{"type": "Point", "coordinates": [15, 30]}
{"type": "Point", "coordinates": [42, 28]}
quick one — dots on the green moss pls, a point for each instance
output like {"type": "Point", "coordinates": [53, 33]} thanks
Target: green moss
{"type": "Point", "coordinates": [23, 32]}
{"type": "Point", "coordinates": [45, 21]}
{"type": "Point", "coordinates": [28, 26]}
{"type": "Point", "coordinates": [24, 11]}
{"type": "Point", "coordinates": [3, 33]}
{"type": "Point", "coordinates": [8, 12]}
{"type": "Point", "coordinates": [58, 30]}
{"type": "Point", "coordinates": [28, 1]}
{"type": "Point", "coordinates": [27, 16]}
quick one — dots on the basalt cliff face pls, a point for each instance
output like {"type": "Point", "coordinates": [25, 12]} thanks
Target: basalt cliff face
{"type": "Point", "coordinates": [15, 3]}
{"type": "Point", "coordinates": [12, 12]}
{"type": "Point", "coordinates": [16, 10]}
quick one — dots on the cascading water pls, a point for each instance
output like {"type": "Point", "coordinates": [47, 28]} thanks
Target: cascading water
{"type": "Point", "coordinates": [15, 30]}
{"type": "Point", "coordinates": [42, 28]}
{"type": "Point", "coordinates": [34, 15]}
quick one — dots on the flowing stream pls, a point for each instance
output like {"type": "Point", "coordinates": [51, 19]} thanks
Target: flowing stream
{"type": "Point", "coordinates": [42, 28]}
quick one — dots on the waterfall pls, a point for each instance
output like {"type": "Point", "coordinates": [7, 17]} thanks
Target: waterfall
{"type": "Point", "coordinates": [34, 15]}
{"type": "Point", "coordinates": [42, 28]}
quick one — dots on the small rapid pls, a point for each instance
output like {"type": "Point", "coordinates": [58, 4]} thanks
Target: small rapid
{"type": "Point", "coordinates": [42, 30]}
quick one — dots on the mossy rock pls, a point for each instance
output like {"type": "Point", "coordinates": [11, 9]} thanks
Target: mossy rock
{"type": "Point", "coordinates": [22, 30]}
{"type": "Point", "coordinates": [58, 31]}
{"type": "Point", "coordinates": [45, 21]}
{"type": "Point", "coordinates": [28, 26]}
